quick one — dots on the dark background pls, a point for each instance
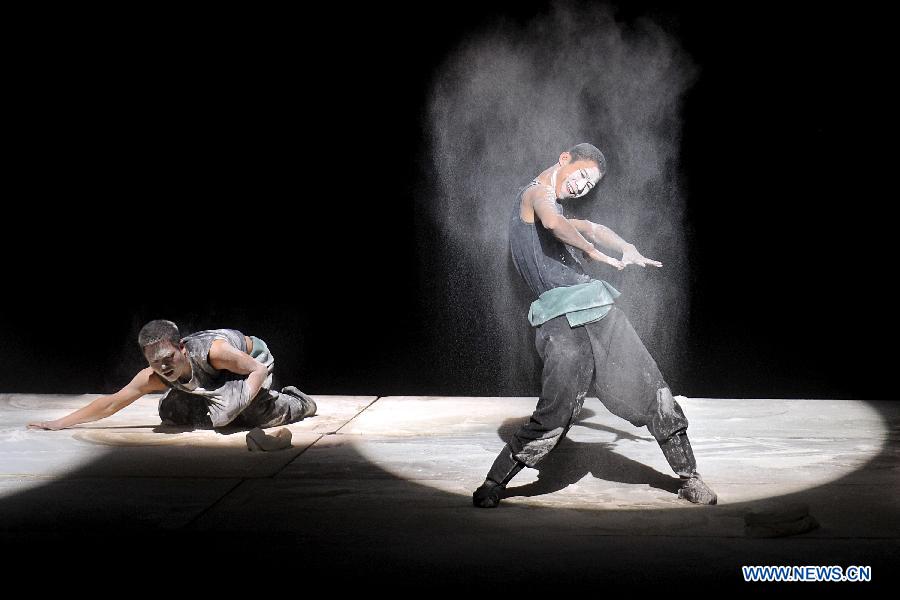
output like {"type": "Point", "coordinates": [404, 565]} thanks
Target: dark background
{"type": "Point", "coordinates": [260, 172]}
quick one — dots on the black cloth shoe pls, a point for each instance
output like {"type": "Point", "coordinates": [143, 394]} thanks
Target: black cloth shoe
{"type": "Point", "coordinates": [309, 405]}
{"type": "Point", "coordinates": [488, 495]}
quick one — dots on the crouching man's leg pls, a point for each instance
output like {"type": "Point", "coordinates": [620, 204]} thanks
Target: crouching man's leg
{"type": "Point", "coordinates": [568, 369]}
{"type": "Point", "coordinates": [270, 408]}
{"type": "Point", "coordinates": [232, 405]}
{"type": "Point", "coordinates": [181, 409]}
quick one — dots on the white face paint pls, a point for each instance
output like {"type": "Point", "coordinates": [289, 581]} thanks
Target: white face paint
{"type": "Point", "coordinates": [579, 182]}
{"type": "Point", "coordinates": [168, 361]}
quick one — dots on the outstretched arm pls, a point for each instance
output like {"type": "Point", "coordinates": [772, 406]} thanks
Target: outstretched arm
{"type": "Point", "coordinates": [145, 382]}
{"type": "Point", "coordinates": [608, 238]}
{"type": "Point", "coordinates": [544, 204]}
{"type": "Point", "coordinates": [225, 357]}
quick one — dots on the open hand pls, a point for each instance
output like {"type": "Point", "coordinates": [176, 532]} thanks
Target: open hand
{"type": "Point", "coordinates": [45, 425]}
{"type": "Point", "coordinates": [631, 256]}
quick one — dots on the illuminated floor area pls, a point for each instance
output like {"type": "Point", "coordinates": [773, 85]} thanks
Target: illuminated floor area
{"type": "Point", "coordinates": [378, 490]}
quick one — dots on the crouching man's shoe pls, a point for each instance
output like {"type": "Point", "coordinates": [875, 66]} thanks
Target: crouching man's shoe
{"type": "Point", "coordinates": [309, 405]}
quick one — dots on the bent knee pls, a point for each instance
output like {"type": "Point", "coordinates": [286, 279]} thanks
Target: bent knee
{"type": "Point", "coordinates": [666, 416]}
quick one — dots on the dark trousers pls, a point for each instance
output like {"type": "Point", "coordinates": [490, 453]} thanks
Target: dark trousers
{"type": "Point", "coordinates": [268, 409]}
{"type": "Point", "coordinates": [627, 381]}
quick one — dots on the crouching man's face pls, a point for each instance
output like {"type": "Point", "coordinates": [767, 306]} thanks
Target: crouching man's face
{"type": "Point", "coordinates": [168, 360]}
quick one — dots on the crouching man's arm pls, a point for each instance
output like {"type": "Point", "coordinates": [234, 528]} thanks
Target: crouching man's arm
{"type": "Point", "coordinates": [225, 357]}
{"type": "Point", "coordinates": [145, 382]}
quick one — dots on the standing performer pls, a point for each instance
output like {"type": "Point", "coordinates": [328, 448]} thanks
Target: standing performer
{"type": "Point", "coordinates": [580, 335]}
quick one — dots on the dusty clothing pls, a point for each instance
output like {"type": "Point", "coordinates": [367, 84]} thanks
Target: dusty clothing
{"type": "Point", "coordinates": [204, 375]}
{"type": "Point", "coordinates": [214, 398]}
{"type": "Point", "coordinates": [606, 353]}
{"type": "Point", "coordinates": [581, 304]}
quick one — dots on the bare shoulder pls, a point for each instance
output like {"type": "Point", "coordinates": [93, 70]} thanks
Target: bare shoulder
{"type": "Point", "coordinates": [534, 198]}
{"type": "Point", "coordinates": [147, 381]}
{"type": "Point", "coordinates": [542, 204]}
{"type": "Point", "coordinates": [539, 195]}
{"type": "Point", "coordinates": [220, 348]}
{"type": "Point", "coordinates": [224, 356]}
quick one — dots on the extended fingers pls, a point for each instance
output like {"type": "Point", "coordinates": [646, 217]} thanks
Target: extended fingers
{"type": "Point", "coordinates": [644, 261]}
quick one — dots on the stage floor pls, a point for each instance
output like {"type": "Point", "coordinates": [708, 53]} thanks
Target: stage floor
{"type": "Point", "coordinates": [379, 490]}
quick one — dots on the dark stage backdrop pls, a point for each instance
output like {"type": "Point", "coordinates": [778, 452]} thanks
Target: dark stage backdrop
{"type": "Point", "coordinates": [278, 174]}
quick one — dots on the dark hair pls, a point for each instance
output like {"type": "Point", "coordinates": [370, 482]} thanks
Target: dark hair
{"type": "Point", "coordinates": [588, 152]}
{"type": "Point", "coordinates": [157, 331]}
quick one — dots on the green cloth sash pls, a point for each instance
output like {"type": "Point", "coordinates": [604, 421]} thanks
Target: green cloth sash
{"type": "Point", "coordinates": [583, 303]}
{"type": "Point", "coordinates": [259, 346]}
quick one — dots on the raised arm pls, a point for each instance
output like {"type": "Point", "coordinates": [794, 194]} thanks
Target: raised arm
{"type": "Point", "coordinates": [606, 237]}
{"type": "Point", "coordinates": [145, 382]}
{"type": "Point", "coordinates": [225, 357]}
{"type": "Point", "coordinates": [544, 204]}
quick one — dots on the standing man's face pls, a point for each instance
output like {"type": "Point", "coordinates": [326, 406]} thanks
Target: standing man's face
{"type": "Point", "coordinates": [167, 360]}
{"type": "Point", "coordinates": [575, 179]}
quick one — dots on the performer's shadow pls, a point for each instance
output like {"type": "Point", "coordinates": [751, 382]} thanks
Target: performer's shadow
{"type": "Point", "coordinates": [571, 461]}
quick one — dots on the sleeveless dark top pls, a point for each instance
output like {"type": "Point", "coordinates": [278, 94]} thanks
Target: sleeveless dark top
{"type": "Point", "coordinates": [541, 259]}
{"type": "Point", "coordinates": [205, 376]}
